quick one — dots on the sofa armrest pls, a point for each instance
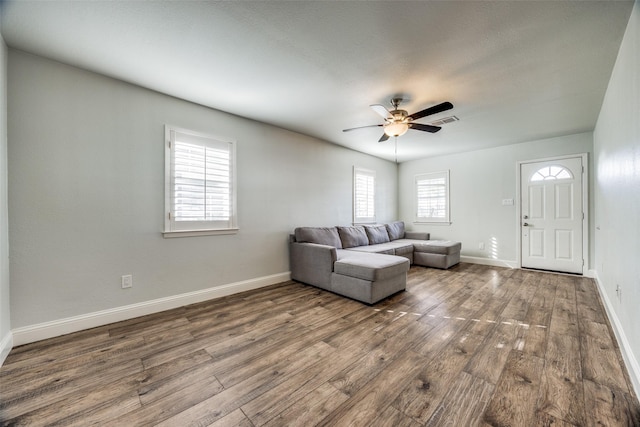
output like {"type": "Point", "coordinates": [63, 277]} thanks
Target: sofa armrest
{"type": "Point", "coordinates": [312, 263]}
{"type": "Point", "coordinates": [417, 235]}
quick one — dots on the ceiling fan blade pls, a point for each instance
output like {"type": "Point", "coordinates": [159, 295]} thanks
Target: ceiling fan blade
{"type": "Point", "coordinates": [361, 127]}
{"type": "Point", "coordinates": [383, 138]}
{"type": "Point", "coordinates": [381, 110]}
{"type": "Point", "coordinates": [426, 128]}
{"type": "Point", "coordinates": [431, 110]}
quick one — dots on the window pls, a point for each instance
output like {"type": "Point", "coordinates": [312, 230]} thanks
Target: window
{"type": "Point", "coordinates": [432, 197]}
{"type": "Point", "coordinates": [551, 173]}
{"type": "Point", "coordinates": [364, 197]}
{"type": "Point", "coordinates": [200, 184]}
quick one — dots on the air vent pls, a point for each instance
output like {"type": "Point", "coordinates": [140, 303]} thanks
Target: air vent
{"type": "Point", "coordinates": [444, 121]}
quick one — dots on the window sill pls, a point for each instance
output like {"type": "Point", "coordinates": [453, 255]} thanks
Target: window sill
{"type": "Point", "coordinates": [196, 233]}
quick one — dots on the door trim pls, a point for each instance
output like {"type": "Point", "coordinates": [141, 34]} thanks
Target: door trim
{"type": "Point", "coordinates": [585, 205]}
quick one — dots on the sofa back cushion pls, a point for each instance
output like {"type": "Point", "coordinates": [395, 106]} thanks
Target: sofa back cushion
{"type": "Point", "coordinates": [395, 230]}
{"type": "Point", "coordinates": [353, 236]}
{"type": "Point", "coordinates": [376, 234]}
{"type": "Point", "coordinates": [320, 235]}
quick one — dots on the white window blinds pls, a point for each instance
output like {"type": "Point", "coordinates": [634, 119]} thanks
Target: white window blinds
{"type": "Point", "coordinates": [364, 200]}
{"type": "Point", "coordinates": [432, 197]}
{"type": "Point", "coordinates": [201, 188]}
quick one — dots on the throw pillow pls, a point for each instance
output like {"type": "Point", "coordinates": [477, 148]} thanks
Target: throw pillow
{"type": "Point", "coordinates": [395, 230]}
{"type": "Point", "coordinates": [353, 236]}
{"type": "Point", "coordinates": [376, 234]}
{"type": "Point", "coordinates": [320, 235]}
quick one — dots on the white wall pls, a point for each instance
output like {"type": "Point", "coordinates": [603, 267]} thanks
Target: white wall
{"type": "Point", "coordinates": [479, 181]}
{"type": "Point", "coordinates": [86, 193]}
{"type": "Point", "coordinates": [617, 193]}
{"type": "Point", "coordinates": [5, 309]}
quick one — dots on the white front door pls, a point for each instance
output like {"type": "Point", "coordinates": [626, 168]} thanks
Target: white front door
{"type": "Point", "coordinates": [551, 215]}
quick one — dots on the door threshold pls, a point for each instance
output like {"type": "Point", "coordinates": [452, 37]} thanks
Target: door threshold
{"type": "Point", "coordinates": [542, 270]}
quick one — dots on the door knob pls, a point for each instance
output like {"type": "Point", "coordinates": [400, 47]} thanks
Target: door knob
{"type": "Point", "coordinates": [526, 217]}
{"type": "Point", "coordinates": [526, 224]}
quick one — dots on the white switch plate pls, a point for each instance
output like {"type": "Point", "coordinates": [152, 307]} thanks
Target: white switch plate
{"type": "Point", "coordinates": [127, 281]}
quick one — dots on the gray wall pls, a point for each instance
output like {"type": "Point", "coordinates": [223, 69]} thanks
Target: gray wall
{"type": "Point", "coordinates": [479, 181]}
{"type": "Point", "coordinates": [86, 193]}
{"type": "Point", "coordinates": [617, 192]}
{"type": "Point", "coordinates": [5, 310]}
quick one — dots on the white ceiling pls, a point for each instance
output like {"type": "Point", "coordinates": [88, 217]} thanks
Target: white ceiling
{"type": "Point", "coordinates": [515, 70]}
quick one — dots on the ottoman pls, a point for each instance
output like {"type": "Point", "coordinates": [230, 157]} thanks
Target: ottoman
{"type": "Point", "coordinates": [437, 253]}
{"type": "Point", "coordinates": [368, 277]}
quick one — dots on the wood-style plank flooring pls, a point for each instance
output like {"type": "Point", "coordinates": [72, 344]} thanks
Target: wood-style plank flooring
{"type": "Point", "coordinates": [470, 346]}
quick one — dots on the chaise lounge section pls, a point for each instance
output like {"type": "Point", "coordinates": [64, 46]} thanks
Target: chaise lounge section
{"type": "Point", "coordinates": [366, 263]}
{"type": "Point", "coordinates": [437, 253]}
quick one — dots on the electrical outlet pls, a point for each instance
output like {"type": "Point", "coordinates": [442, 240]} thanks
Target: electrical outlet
{"type": "Point", "coordinates": [127, 281]}
{"type": "Point", "coordinates": [619, 293]}
{"type": "Point", "coordinates": [481, 246]}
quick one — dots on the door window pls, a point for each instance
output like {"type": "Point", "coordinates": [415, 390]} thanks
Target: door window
{"type": "Point", "coordinates": [548, 173]}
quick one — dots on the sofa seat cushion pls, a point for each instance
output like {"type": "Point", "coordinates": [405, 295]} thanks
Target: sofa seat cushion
{"type": "Point", "coordinates": [389, 248]}
{"type": "Point", "coordinates": [442, 247]}
{"type": "Point", "coordinates": [372, 267]}
{"type": "Point", "coordinates": [319, 235]}
{"type": "Point", "coordinates": [404, 250]}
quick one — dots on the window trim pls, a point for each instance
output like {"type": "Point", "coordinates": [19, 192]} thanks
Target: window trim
{"type": "Point", "coordinates": [433, 220]}
{"type": "Point", "coordinates": [169, 229]}
{"type": "Point", "coordinates": [367, 172]}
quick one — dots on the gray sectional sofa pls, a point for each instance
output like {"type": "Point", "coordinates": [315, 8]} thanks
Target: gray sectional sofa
{"type": "Point", "coordinates": [366, 263]}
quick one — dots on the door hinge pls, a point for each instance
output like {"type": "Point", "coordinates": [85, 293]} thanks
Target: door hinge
{"type": "Point", "coordinates": [169, 143]}
{"type": "Point", "coordinates": [169, 215]}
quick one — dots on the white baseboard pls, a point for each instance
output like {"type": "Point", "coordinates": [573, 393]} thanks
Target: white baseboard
{"type": "Point", "coordinates": [5, 347]}
{"type": "Point", "coordinates": [28, 334]}
{"type": "Point", "coordinates": [489, 261]}
{"type": "Point", "coordinates": [625, 348]}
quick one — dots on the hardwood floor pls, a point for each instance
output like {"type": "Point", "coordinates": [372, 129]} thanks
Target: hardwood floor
{"type": "Point", "coordinates": [470, 346]}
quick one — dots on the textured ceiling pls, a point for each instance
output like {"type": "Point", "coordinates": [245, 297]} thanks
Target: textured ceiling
{"type": "Point", "coordinates": [515, 71]}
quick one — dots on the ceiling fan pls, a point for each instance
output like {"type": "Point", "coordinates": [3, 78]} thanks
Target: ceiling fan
{"type": "Point", "coordinates": [398, 122]}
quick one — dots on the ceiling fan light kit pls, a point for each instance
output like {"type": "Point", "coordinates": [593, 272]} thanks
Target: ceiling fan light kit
{"type": "Point", "coordinates": [396, 128]}
{"type": "Point", "coordinates": [398, 122]}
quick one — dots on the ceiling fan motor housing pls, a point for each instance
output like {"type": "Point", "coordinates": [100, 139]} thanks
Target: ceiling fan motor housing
{"type": "Point", "coordinates": [398, 116]}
